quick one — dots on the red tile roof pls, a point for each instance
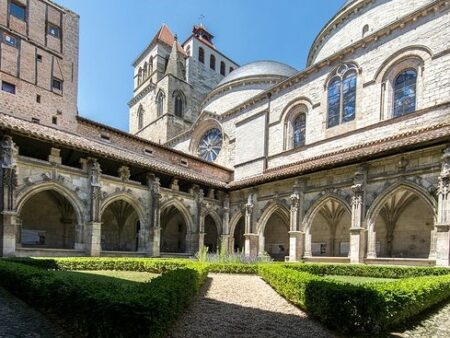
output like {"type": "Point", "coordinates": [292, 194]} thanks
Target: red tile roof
{"type": "Point", "coordinates": [361, 152]}
{"type": "Point", "coordinates": [165, 35]}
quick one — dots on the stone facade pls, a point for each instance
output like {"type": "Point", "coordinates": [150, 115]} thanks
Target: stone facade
{"type": "Point", "coordinates": [373, 189]}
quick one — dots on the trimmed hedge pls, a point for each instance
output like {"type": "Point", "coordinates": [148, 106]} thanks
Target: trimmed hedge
{"type": "Point", "coordinates": [365, 307]}
{"type": "Point", "coordinates": [346, 307]}
{"type": "Point", "coordinates": [156, 265]}
{"type": "Point", "coordinates": [376, 271]}
{"type": "Point", "coordinates": [100, 306]}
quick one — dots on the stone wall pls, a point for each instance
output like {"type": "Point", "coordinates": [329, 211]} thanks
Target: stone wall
{"type": "Point", "coordinates": [36, 59]}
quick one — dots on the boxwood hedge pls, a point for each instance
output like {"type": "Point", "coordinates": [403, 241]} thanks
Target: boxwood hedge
{"type": "Point", "coordinates": [100, 306]}
{"type": "Point", "coordinates": [346, 307]}
{"type": "Point", "coordinates": [366, 307]}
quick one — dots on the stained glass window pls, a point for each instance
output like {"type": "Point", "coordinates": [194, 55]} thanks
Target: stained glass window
{"type": "Point", "coordinates": [299, 127]}
{"type": "Point", "coordinates": [405, 92]}
{"type": "Point", "coordinates": [334, 102]}
{"type": "Point", "coordinates": [342, 96]}
{"type": "Point", "coordinates": [210, 145]}
{"type": "Point", "coordinates": [349, 97]}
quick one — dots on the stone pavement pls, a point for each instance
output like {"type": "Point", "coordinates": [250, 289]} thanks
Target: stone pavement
{"type": "Point", "coordinates": [18, 320]}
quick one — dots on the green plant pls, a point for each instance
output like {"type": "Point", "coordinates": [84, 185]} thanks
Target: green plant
{"type": "Point", "coordinates": [365, 307]}
{"type": "Point", "coordinates": [101, 306]}
{"type": "Point", "coordinates": [202, 254]}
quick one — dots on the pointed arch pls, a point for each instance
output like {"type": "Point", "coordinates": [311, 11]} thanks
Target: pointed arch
{"type": "Point", "coordinates": [272, 208]}
{"type": "Point", "coordinates": [400, 222]}
{"type": "Point", "coordinates": [36, 188]}
{"type": "Point", "coordinates": [234, 221]}
{"type": "Point", "coordinates": [381, 199]}
{"type": "Point", "coordinates": [177, 204]}
{"type": "Point", "coordinates": [217, 220]}
{"type": "Point", "coordinates": [317, 206]}
{"type": "Point", "coordinates": [179, 103]}
{"type": "Point", "coordinates": [160, 101]}
{"type": "Point", "coordinates": [126, 197]}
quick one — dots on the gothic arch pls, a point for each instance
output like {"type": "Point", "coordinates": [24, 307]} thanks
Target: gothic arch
{"type": "Point", "coordinates": [218, 222]}
{"type": "Point", "coordinates": [400, 222]}
{"type": "Point", "coordinates": [274, 207]}
{"type": "Point", "coordinates": [126, 197]}
{"type": "Point", "coordinates": [381, 199]}
{"type": "Point", "coordinates": [318, 204]}
{"type": "Point", "coordinates": [25, 194]}
{"type": "Point", "coordinates": [177, 204]}
{"type": "Point", "coordinates": [234, 221]}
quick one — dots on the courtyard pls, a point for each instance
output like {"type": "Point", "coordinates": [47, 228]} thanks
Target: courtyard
{"type": "Point", "coordinates": [130, 297]}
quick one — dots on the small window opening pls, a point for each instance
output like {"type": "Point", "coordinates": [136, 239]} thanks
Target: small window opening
{"type": "Point", "coordinates": [8, 87]}
{"type": "Point", "coordinates": [54, 120]}
{"type": "Point", "coordinates": [35, 120]}
{"type": "Point", "coordinates": [38, 98]}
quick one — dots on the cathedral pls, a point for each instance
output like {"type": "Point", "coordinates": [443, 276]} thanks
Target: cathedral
{"type": "Point", "coordinates": [346, 160]}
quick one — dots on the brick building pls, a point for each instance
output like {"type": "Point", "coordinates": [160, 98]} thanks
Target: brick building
{"type": "Point", "coordinates": [347, 160]}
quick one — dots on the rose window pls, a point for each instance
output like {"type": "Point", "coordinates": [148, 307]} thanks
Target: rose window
{"type": "Point", "coordinates": [210, 145]}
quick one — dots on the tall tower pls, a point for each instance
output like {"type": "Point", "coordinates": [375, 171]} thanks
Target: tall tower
{"type": "Point", "coordinates": [160, 106]}
{"type": "Point", "coordinates": [171, 80]}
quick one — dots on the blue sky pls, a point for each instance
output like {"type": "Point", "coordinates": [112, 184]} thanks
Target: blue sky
{"type": "Point", "coordinates": [114, 32]}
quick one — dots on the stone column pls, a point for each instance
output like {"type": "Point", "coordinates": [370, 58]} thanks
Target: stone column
{"type": "Point", "coordinates": [225, 238]}
{"type": "Point", "coordinates": [443, 213]}
{"type": "Point", "coordinates": [154, 216]}
{"type": "Point", "coordinates": [357, 231]}
{"type": "Point", "coordinates": [93, 227]}
{"type": "Point", "coordinates": [296, 235]}
{"type": "Point", "coordinates": [197, 237]}
{"type": "Point", "coordinates": [251, 239]}
{"type": "Point", "coordinates": [371, 241]}
{"type": "Point", "coordinates": [9, 219]}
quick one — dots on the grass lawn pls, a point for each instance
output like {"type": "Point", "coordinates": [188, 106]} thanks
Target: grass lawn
{"type": "Point", "coordinates": [359, 280]}
{"type": "Point", "coordinates": [134, 276]}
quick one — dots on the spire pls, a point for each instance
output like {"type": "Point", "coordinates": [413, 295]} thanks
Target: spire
{"type": "Point", "coordinates": [174, 66]}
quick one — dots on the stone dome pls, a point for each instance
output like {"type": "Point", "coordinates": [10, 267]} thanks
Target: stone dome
{"type": "Point", "coordinates": [259, 69]}
{"type": "Point", "coordinates": [347, 2]}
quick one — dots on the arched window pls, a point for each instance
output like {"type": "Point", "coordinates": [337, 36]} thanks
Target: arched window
{"type": "Point", "coordinates": [201, 55]}
{"type": "Point", "coordinates": [140, 117]}
{"type": "Point", "coordinates": [222, 68]}
{"type": "Point", "coordinates": [179, 104]}
{"type": "Point", "coordinates": [405, 92]}
{"type": "Point", "coordinates": [299, 128]}
{"type": "Point", "coordinates": [342, 96]}
{"type": "Point", "coordinates": [295, 127]}
{"type": "Point", "coordinates": [144, 75]}
{"type": "Point", "coordinates": [150, 66]}
{"type": "Point", "coordinates": [212, 62]}
{"type": "Point", "coordinates": [139, 81]}
{"type": "Point", "coordinates": [231, 69]}
{"type": "Point", "coordinates": [160, 104]}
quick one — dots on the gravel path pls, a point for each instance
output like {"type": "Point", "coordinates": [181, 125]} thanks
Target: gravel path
{"type": "Point", "coordinates": [435, 324]}
{"type": "Point", "coordinates": [17, 319]}
{"type": "Point", "coordinates": [244, 306]}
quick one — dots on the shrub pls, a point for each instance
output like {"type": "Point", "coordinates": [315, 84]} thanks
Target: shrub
{"type": "Point", "coordinates": [100, 306]}
{"type": "Point", "coordinates": [346, 307]}
{"type": "Point", "coordinates": [376, 271]}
